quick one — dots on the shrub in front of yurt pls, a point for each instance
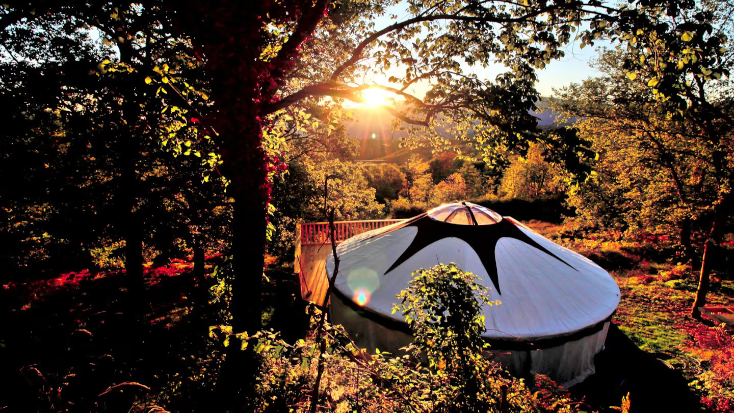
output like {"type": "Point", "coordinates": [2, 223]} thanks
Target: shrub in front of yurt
{"type": "Point", "coordinates": [443, 308]}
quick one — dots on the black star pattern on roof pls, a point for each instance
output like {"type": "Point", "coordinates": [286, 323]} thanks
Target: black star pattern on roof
{"type": "Point", "coordinates": [482, 238]}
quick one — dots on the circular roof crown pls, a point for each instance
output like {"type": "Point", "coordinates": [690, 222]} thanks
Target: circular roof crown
{"type": "Point", "coordinates": [464, 213]}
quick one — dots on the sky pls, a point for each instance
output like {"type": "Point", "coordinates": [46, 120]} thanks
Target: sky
{"type": "Point", "coordinates": [572, 68]}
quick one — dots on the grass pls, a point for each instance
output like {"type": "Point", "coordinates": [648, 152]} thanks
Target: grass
{"type": "Point", "coordinates": [657, 295]}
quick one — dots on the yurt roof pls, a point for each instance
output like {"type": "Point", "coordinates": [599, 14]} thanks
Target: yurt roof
{"type": "Point", "coordinates": [538, 289]}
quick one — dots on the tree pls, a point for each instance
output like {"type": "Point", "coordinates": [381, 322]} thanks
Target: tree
{"type": "Point", "coordinates": [679, 112]}
{"type": "Point", "coordinates": [451, 189]}
{"type": "Point", "coordinates": [94, 111]}
{"type": "Point", "coordinates": [261, 59]}
{"type": "Point", "coordinates": [264, 57]}
{"type": "Point", "coordinates": [475, 183]}
{"type": "Point", "coordinates": [442, 165]}
{"type": "Point", "coordinates": [418, 180]}
{"type": "Point", "coordinates": [387, 180]}
{"type": "Point", "coordinates": [532, 177]}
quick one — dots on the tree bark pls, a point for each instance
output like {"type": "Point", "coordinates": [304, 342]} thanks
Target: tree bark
{"type": "Point", "coordinates": [199, 258]}
{"type": "Point", "coordinates": [687, 244]}
{"type": "Point", "coordinates": [130, 218]}
{"type": "Point", "coordinates": [721, 213]}
{"type": "Point", "coordinates": [249, 224]}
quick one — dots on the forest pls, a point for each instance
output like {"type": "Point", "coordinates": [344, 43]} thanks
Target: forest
{"type": "Point", "coordinates": [161, 159]}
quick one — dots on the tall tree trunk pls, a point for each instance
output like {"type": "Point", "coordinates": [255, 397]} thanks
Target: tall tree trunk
{"type": "Point", "coordinates": [687, 244]}
{"type": "Point", "coordinates": [131, 221]}
{"type": "Point", "coordinates": [134, 254]}
{"type": "Point", "coordinates": [247, 165]}
{"type": "Point", "coordinates": [129, 141]}
{"type": "Point", "coordinates": [721, 213]}
{"type": "Point", "coordinates": [199, 258]}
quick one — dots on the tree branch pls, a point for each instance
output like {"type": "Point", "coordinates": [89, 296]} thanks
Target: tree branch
{"type": "Point", "coordinates": [357, 54]}
{"type": "Point", "coordinates": [305, 27]}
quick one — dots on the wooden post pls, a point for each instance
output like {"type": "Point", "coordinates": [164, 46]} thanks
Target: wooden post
{"type": "Point", "coordinates": [297, 261]}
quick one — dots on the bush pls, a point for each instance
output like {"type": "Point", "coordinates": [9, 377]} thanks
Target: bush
{"type": "Point", "coordinates": [403, 208]}
{"type": "Point", "coordinates": [443, 307]}
{"type": "Point", "coordinates": [548, 209]}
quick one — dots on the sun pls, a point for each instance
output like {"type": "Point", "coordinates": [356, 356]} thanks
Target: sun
{"type": "Point", "coordinates": [377, 97]}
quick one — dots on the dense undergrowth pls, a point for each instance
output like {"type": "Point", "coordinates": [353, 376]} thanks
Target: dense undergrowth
{"type": "Point", "coordinates": [67, 344]}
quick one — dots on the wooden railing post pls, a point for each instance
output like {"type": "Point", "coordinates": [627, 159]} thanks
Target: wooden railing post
{"type": "Point", "coordinates": [297, 262]}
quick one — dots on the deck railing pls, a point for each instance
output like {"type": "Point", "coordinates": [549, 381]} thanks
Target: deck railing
{"type": "Point", "coordinates": [318, 232]}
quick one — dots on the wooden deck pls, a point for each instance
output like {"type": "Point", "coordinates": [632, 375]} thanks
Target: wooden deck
{"type": "Point", "coordinates": [722, 313]}
{"type": "Point", "coordinates": [313, 247]}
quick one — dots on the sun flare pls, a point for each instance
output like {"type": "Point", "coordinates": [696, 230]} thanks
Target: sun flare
{"type": "Point", "coordinates": [377, 97]}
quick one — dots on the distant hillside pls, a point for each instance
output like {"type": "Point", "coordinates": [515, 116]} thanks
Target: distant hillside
{"type": "Point", "coordinates": [377, 141]}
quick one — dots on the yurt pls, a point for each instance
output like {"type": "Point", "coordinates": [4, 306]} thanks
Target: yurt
{"type": "Point", "coordinates": [550, 310]}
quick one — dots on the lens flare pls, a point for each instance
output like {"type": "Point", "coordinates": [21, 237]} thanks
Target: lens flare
{"type": "Point", "coordinates": [362, 297]}
{"type": "Point", "coordinates": [377, 97]}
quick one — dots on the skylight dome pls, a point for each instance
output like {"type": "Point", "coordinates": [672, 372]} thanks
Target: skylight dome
{"type": "Point", "coordinates": [464, 213]}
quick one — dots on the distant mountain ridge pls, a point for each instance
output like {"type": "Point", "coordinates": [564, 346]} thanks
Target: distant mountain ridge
{"type": "Point", "coordinates": [377, 140]}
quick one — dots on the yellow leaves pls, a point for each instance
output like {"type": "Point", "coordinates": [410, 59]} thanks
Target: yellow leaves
{"type": "Point", "coordinates": [148, 80]}
{"type": "Point", "coordinates": [706, 71]}
{"type": "Point", "coordinates": [165, 79]}
{"type": "Point", "coordinates": [632, 75]}
{"type": "Point", "coordinates": [653, 82]}
{"type": "Point", "coordinates": [205, 96]}
{"type": "Point", "coordinates": [102, 66]}
{"type": "Point", "coordinates": [681, 64]}
{"type": "Point", "coordinates": [687, 36]}
{"type": "Point", "coordinates": [198, 154]}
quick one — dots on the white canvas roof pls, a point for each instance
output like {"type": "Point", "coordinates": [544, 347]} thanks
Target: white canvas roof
{"type": "Point", "coordinates": [540, 290]}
